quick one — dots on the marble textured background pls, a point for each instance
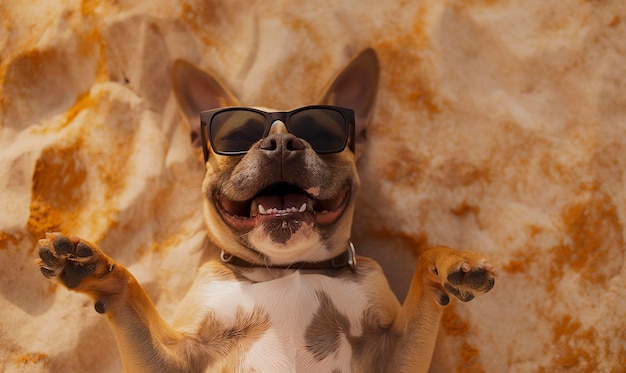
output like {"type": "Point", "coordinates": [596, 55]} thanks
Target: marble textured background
{"type": "Point", "coordinates": [500, 127]}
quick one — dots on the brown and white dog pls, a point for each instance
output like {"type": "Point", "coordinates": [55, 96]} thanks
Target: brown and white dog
{"type": "Point", "coordinates": [288, 294]}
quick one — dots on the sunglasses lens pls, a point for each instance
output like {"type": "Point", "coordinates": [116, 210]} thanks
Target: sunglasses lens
{"type": "Point", "coordinates": [325, 130]}
{"type": "Point", "coordinates": [235, 131]}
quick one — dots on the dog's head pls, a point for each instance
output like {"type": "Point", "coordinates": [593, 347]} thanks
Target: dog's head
{"type": "Point", "coordinates": [281, 201]}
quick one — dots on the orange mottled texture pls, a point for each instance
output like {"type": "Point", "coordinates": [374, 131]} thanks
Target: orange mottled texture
{"type": "Point", "coordinates": [499, 127]}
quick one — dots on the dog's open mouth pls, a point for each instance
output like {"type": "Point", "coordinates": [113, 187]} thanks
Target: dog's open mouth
{"type": "Point", "coordinates": [284, 202]}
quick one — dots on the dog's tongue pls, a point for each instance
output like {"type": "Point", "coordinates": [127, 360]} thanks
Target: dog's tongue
{"type": "Point", "coordinates": [280, 203]}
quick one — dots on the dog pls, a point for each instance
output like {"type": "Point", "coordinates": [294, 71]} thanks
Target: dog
{"type": "Point", "coordinates": [288, 293]}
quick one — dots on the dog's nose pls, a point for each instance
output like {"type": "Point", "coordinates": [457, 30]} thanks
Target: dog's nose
{"type": "Point", "coordinates": [280, 140]}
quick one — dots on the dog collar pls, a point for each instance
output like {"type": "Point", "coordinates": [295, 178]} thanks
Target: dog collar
{"type": "Point", "coordinates": [345, 259]}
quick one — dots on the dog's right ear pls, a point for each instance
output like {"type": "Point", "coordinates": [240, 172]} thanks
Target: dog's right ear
{"type": "Point", "coordinates": [197, 90]}
{"type": "Point", "coordinates": [355, 87]}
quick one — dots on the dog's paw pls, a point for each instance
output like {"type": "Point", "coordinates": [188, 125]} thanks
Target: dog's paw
{"type": "Point", "coordinates": [70, 259]}
{"type": "Point", "coordinates": [462, 274]}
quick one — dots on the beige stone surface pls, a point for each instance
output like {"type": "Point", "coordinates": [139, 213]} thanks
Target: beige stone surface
{"type": "Point", "coordinates": [500, 127]}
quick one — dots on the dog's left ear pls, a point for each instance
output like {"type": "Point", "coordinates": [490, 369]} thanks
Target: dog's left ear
{"type": "Point", "coordinates": [355, 87]}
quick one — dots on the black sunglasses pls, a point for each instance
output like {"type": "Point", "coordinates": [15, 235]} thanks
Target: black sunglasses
{"type": "Point", "coordinates": [233, 130]}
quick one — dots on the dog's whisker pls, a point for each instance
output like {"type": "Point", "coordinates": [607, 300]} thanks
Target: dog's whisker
{"type": "Point", "coordinates": [258, 259]}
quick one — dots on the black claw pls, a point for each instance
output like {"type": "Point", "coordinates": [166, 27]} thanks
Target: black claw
{"type": "Point", "coordinates": [444, 299]}
{"type": "Point", "coordinates": [63, 246]}
{"type": "Point", "coordinates": [99, 306]}
{"type": "Point", "coordinates": [75, 272]}
{"type": "Point", "coordinates": [442, 295]}
{"type": "Point", "coordinates": [83, 250]}
{"type": "Point", "coordinates": [48, 257]}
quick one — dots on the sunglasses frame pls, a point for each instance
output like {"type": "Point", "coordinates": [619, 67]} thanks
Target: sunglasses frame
{"type": "Point", "coordinates": [206, 118]}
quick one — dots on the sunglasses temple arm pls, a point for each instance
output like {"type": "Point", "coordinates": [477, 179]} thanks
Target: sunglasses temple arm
{"type": "Point", "coordinates": [205, 143]}
{"type": "Point", "coordinates": [352, 135]}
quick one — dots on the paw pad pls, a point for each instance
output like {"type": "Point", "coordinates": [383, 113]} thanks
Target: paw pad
{"type": "Point", "coordinates": [462, 274]}
{"type": "Point", "coordinates": [69, 259]}
{"type": "Point", "coordinates": [470, 280]}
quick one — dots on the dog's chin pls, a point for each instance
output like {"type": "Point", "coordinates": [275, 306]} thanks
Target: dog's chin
{"type": "Point", "coordinates": [287, 243]}
{"type": "Point", "coordinates": [281, 210]}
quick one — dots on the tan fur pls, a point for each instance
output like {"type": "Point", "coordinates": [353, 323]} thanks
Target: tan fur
{"type": "Point", "coordinates": [231, 319]}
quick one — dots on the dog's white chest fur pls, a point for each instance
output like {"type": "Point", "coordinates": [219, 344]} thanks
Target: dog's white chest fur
{"type": "Point", "coordinates": [303, 322]}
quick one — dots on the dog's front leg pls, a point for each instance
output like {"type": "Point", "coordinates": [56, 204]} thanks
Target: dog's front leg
{"type": "Point", "coordinates": [440, 271]}
{"type": "Point", "coordinates": [146, 342]}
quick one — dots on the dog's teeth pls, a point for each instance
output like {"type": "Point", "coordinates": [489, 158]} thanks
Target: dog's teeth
{"type": "Point", "coordinates": [274, 211]}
